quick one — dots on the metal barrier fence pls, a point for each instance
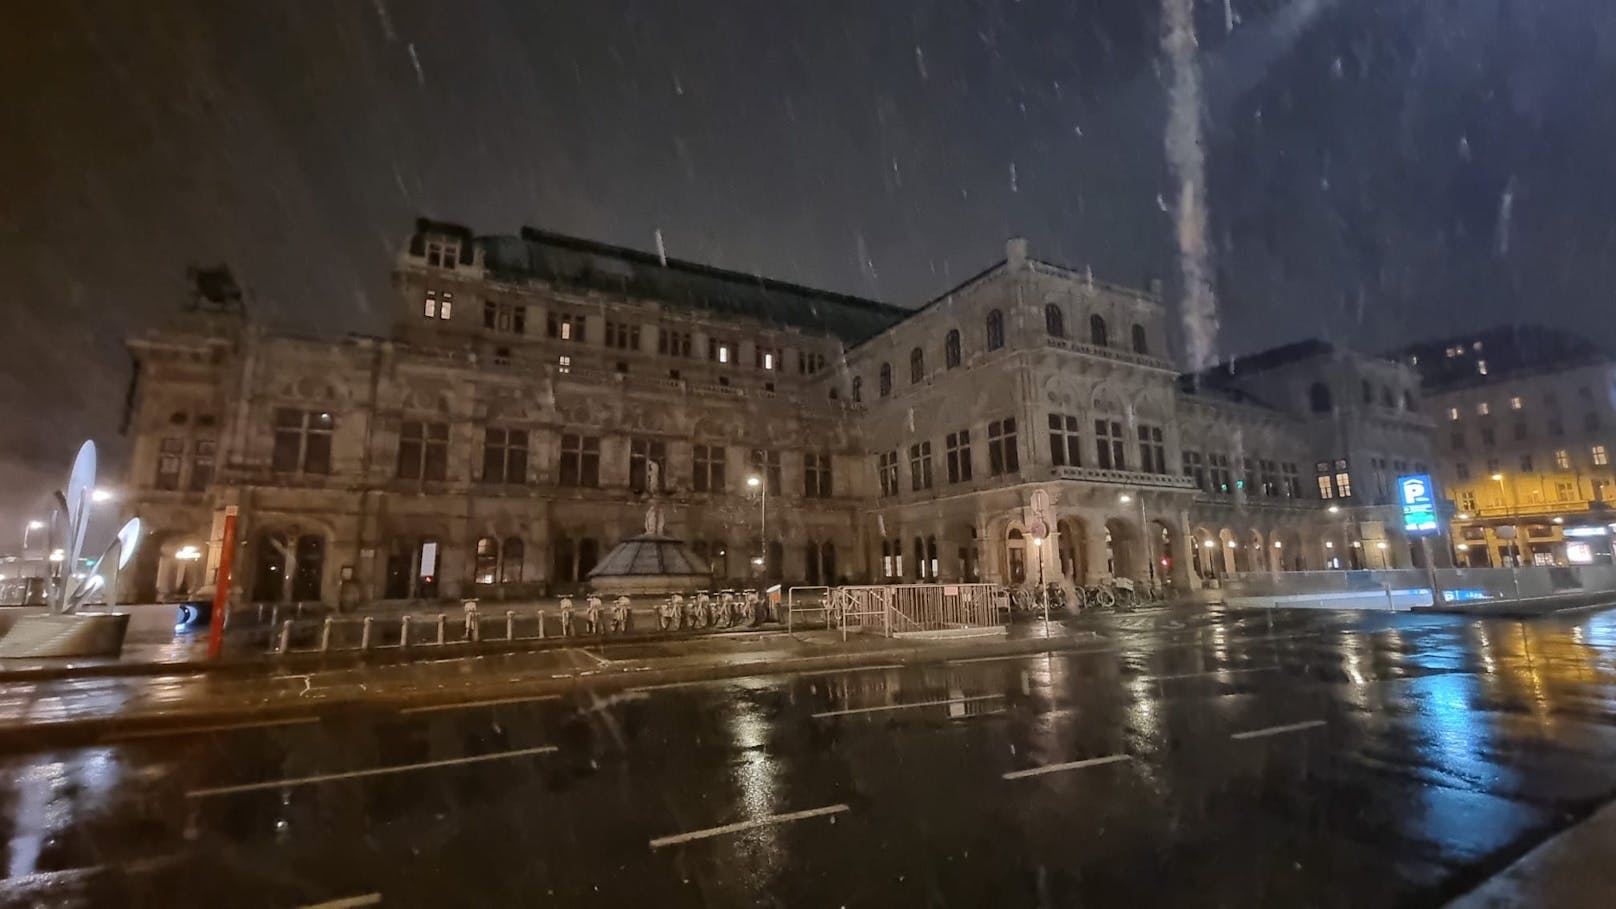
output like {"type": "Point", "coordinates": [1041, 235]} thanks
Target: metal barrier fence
{"type": "Point", "coordinates": [893, 609]}
{"type": "Point", "coordinates": [1413, 585]}
{"type": "Point", "coordinates": [806, 602]}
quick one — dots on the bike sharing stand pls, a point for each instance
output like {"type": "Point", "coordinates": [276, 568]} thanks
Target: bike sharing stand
{"type": "Point", "coordinates": [66, 630]}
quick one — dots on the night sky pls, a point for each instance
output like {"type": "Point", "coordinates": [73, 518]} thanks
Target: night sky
{"type": "Point", "coordinates": [1378, 169]}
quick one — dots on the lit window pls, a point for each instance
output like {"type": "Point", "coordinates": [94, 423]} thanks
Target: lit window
{"type": "Point", "coordinates": [566, 331]}
{"type": "Point", "coordinates": [1481, 366]}
{"type": "Point", "coordinates": [768, 361]}
{"type": "Point", "coordinates": [430, 308]}
{"type": "Point", "coordinates": [1326, 491]}
{"type": "Point", "coordinates": [1515, 403]}
{"type": "Point", "coordinates": [1343, 485]}
{"type": "Point", "coordinates": [1453, 413]}
{"type": "Point", "coordinates": [723, 353]}
{"type": "Point", "coordinates": [446, 305]}
{"type": "Point", "coordinates": [1562, 459]}
{"type": "Point", "coordinates": [1483, 408]}
{"type": "Point", "coordinates": [1601, 458]}
{"type": "Point", "coordinates": [564, 364]}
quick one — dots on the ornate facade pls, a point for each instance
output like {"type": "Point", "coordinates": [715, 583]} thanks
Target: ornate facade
{"type": "Point", "coordinates": [1029, 422]}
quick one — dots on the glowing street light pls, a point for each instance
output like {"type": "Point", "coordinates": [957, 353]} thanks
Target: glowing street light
{"type": "Point", "coordinates": [57, 555]}
{"type": "Point", "coordinates": [101, 494]}
{"type": "Point", "coordinates": [756, 482]}
{"type": "Point", "coordinates": [188, 554]}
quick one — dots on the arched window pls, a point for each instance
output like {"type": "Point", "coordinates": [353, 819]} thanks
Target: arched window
{"type": "Point", "coordinates": [885, 380]}
{"type": "Point", "coordinates": [510, 560]}
{"type": "Point", "coordinates": [858, 389]}
{"type": "Point", "coordinates": [920, 559]}
{"type": "Point", "coordinates": [1054, 321]}
{"type": "Point", "coordinates": [931, 558]}
{"type": "Point", "coordinates": [951, 349]}
{"type": "Point", "coordinates": [485, 565]}
{"type": "Point", "coordinates": [1141, 344]}
{"type": "Point", "coordinates": [1318, 398]}
{"type": "Point", "coordinates": [1097, 335]}
{"type": "Point", "coordinates": [917, 365]}
{"type": "Point", "coordinates": [588, 555]}
{"type": "Point", "coordinates": [995, 330]}
{"type": "Point", "coordinates": [310, 567]}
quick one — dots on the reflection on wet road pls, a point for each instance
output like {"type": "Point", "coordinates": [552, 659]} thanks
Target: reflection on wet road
{"type": "Point", "coordinates": [1220, 758]}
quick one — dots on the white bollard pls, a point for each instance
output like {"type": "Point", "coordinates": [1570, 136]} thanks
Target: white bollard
{"type": "Point", "coordinates": [286, 637]}
{"type": "Point", "coordinates": [442, 621]}
{"type": "Point", "coordinates": [473, 626]}
{"type": "Point", "coordinates": [325, 633]}
{"type": "Point", "coordinates": [364, 632]}
{"type": "Point", "coordinates": [510, 625]}
{"type": "Point", "coordinates": [540, 613]}
{"type": "Point", "coordinates": [404, 631]}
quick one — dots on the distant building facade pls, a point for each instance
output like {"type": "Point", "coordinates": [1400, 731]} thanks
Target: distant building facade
{"type": "Point", "coordinates": [1526, 427]}
{"type": "Point", "coordinates": [1029, 423]}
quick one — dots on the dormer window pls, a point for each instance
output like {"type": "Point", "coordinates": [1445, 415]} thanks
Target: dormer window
{"type": "Point", "coordinates": [442, 253]}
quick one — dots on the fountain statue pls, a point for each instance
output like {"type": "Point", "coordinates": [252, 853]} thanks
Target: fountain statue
{"type": "Point", "coordinates": [66, 628]}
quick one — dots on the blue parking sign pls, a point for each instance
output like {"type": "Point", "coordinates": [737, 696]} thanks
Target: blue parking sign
{"type": "Point", "coordinates": [1418, 499]}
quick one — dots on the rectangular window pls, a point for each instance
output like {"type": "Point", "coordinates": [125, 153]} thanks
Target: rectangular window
{"type": "Point", "coordinates": [959, 456]}
{"type": "Point", "coordinates": [622, 335]}
{"type": "Point", "coordinates": [1526, 463]}
{"type": "Point", "coordinates": [504, 455]}
{"type": "Point", "coordinates": [1520, 430]}
{"type": "Point", "coordinates": [1293, 480]}
{"type": "Point", "coordinates": [506, 318]}
{"type": "Point", "coordinates": [302, 441]}
{"type": "Point", "coordinates": [1493, 465]}
{"type": "Point", "coordinates": [886, 468]}
{"type": "Point", "coordinates": [766, 358]}
{"type": "Point", "coordinates": [708, 471]}
{"type": "Point", "coordinates": [1461, 470]}
{"type": "Point", "coordinates": [1590, 421]}
{"type": "Point", "coordinates": [816, 478]}
{"type": "Point", "coordinates": [1065, 441]}
{"type": "Point", "coordinates": [1343, 484]}
{"type": "Point", "coordinates": [423, 450]}
{"type": "Point", "coordinates": [1562, 459]}
{"type": "Point", "coordinates": [1218, 473]}
{"type": "Point", "coordinates": [1564, 490]}
{"type": "Point", "coordinates": [766, 463]}
{"type": "Point", "coordinates": [1488, 438]}
{"type": "Point", "coordinates": [1453, 413]}
{"type": "Point", "coordinates": [720, 351]}
{"type": "Point", "coordinates": [203, 453]}
{"type": "Point", "coordinates": [1515, 403]}
{"type": "Point", "coordinates": [1195, 468]}
{"type": "Point", "coordinates": [1326, 490]}
{"type": "Point", "coordinates": [672, 342]}
{"type": "Point", "coordinates": [1483, 409]}
{"type": "Point", "coordinates": [565, 326]}
{"type": "Point", "coordinates": [580, 460]}
{"type": "Point", "coordinates": [1600, 457]}
{"type": "Point", "coordinates": [429, 305]}
{"type": "Point", "coordinates": [1152, 453]}
{"type": "Point", "coordinates": [809, 363]}
{"type": "Point", "coordinates": [1108, 445]}
{"type": "Point", "coordinates": [1268, 477]}
{"type": "Point", "coordinates": [920, 466]}
{"type": "Point", "coordinates": [1467, 502]}
{"type": "Point", "coordinates": [1457, 440]}
{"type": "Point", "coordinates": [644, 452]}
{"type": "Point", "coordinates": [1003, 457]}
{"type": "Point", "coordinates": [1555, 427]}
{"type": "Point", "coordinates": [170, 454]}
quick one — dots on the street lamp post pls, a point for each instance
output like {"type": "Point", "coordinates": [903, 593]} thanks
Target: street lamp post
{"type": "Point", "coordinates": [26, 528]}
{"type": "Point", "coordinates": [1514, 516]}
{"type": "Point", "coordinates": [1043, 592]}
{"type": "Point", "coordinates": [756, 482]}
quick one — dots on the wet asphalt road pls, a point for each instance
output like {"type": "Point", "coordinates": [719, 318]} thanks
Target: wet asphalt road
{"type": "Point", "coordinates": [1229, 759]}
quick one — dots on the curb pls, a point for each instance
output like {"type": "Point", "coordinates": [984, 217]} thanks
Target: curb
{"type": "Point", "coordinates": [62, 733]}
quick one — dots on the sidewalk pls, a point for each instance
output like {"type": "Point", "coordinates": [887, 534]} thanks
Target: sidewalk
{"type": "Point", "coordinates": [1571, 870]}
{"type": "Point", "coordinates": [48, 713]}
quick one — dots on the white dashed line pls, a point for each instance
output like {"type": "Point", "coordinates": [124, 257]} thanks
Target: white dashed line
{"type": "Point", "coordinates": [1069, 765]}
{"type": "Point", "coordinates": [885, 707]}
{"type": "Point", "coordinates": [357, 774]}
{"type": "Point", "coordinates": [429, 708]}
{"type": "Point", "coordinates": [199, 730]}
{"type": "Point", "coordinates": [1277, 730]}
{"type": "Point", "coordinates": [678, 838]}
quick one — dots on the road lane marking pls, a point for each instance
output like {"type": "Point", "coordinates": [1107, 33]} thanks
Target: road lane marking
{"type": "Point", "coordinates": [429, 708]}
{"type": "Point", "coordinates": [678, 838]}
{"type": "Point", "coordinates": [1069, 765]}
{"type": "Point", "coordinates": [1196, 675]}
{"type": "Point", "coordinates": [1277, 730]}
{"type": "Point", "coordinates": [357, 774]}
{"type": "Point", "coordinates": [851, 669]}
{"type": "Point", "coordinates": [348, 902]}
{"type": "Point", "coordinates": [599, 660]}
{"type": "Point", "coordinates": [849, 712]}
{"type": "Point", "coordinates": [198, 730]}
